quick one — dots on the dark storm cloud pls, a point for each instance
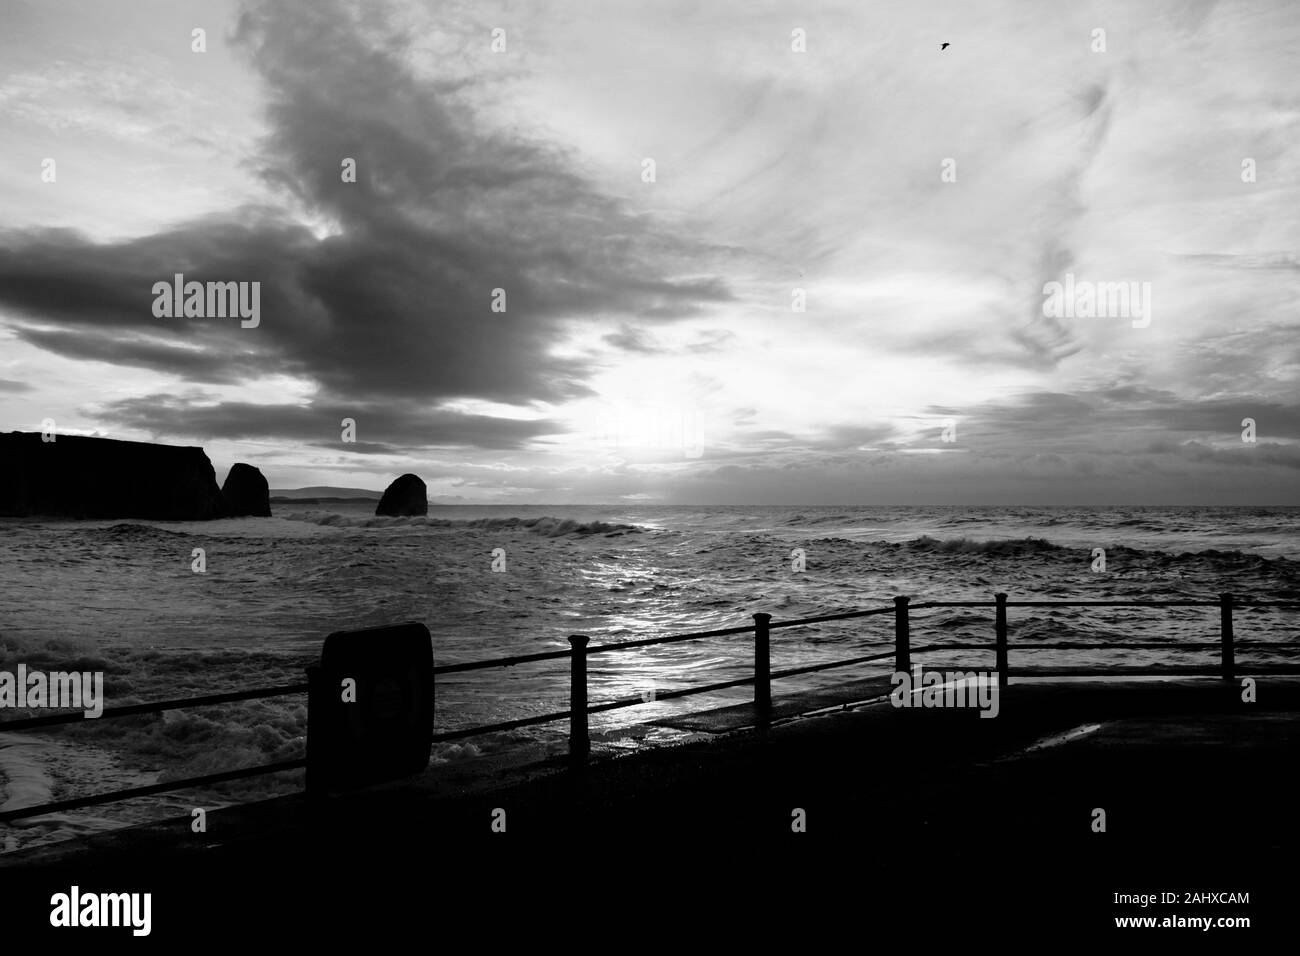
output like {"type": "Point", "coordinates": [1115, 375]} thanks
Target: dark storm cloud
{"type": "Point", "coordinates": [1260, 454]}
{"type": "Point", "coordinates": [394, 304]}
{"type": "Point", "coordinates": [1124, 417]}
{"type": "Point", "coordinates": [193, 365]}
{"type": "Point", "coordinates": [95, 301]}
{"type": "Point", "coordinates": [383, 428]}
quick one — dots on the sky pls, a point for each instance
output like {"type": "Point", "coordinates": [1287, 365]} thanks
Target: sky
{"type": "Point", "coordinates": [723, 253]}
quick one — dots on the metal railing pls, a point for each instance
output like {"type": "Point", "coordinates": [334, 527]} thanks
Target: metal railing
{"type": "Point", "coordinates": [579, 651]}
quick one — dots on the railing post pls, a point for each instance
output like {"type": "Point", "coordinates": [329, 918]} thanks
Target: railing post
{"type": "Point", "coordinates": [579, 741]}
{"type": "Point", "coordinates": [1001, 625]}
{"type": "Point", "coordinates": [902, 648]}
{"type": "Point", "coordinates": [762, 664]}
{"type": "Point", "coordinates": [1225, 625]}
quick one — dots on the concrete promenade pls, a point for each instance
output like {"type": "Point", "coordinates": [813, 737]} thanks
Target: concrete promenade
{"type": "Point", "coordinates": [970, 812]}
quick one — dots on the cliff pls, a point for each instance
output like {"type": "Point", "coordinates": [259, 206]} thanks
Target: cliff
{"type": "Point", "coordinates": [104, 478]}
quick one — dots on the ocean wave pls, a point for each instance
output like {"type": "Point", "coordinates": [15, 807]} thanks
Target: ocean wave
{"type": "Point", "coordinates": [1144, 524]}
{"type": "Point", "coordinates": [128, 605]}
{"type": "Point", "coordinates": [546, 526]}
{"type": "Point", "coordinates": [129, 531]}
{"type": "Point", "coordinates": [1119, 555]}
{"type": "Point", "coordinates": [40, 652]}
{"type": "Point", "coordinates": [838, 517]}
{"type": "Point", "coordinates": [983, 546]}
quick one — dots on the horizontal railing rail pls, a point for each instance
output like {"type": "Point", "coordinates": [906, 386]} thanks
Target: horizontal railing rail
{"type": "Point", "coordinates": [900, 651]}
{"type": "Point", "coordinates": [155, 788]}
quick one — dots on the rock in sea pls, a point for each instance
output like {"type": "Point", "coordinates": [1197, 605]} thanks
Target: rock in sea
{"type": "Point", "coordinates": [407, 495]}
{"type": "Point", "coordinates": [246, 492]}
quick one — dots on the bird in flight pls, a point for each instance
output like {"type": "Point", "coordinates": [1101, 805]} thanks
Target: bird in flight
{"type": "Point", "coordinates": [944, 46]}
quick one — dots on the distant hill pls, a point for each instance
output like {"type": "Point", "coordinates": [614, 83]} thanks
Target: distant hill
{"type": "Point", "coordinates": [324, 491]}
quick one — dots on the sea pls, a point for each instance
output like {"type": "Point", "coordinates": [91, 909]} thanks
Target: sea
{"type": "Point", "coordinates": [127, 598]}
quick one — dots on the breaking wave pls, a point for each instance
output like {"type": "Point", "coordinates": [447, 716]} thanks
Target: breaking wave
{"type": "Point", "coordinates": [988, 546]}
{"type": "Point", "coordinates": [545, 526]}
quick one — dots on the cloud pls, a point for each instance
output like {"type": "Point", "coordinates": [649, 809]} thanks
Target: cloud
{"type": "Point", "coordinates": [391, 300]}
{"type": "Point", "coordinates": [630, 339]}
{"type": "Point", "coordinates": [381, 428]}
{"type": "Point", "coordinates": [1122, 419]}
{"type": "Point", "coordinates": [776, 171]}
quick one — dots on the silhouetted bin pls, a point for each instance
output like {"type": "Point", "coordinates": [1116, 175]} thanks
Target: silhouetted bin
{"type": "Point", "coordinates": [386, 733]}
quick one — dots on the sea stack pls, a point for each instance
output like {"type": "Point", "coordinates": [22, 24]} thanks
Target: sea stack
{"type": "Point", "coordinates": [78, 477]}
{"type": "Point", "coordinates": [246, 492]}
{"type": "Point", "coordinates": [407, 495]}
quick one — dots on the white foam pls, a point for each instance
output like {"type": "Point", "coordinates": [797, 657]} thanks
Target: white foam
{"type": "Point", "coordinates": [25, 781]}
